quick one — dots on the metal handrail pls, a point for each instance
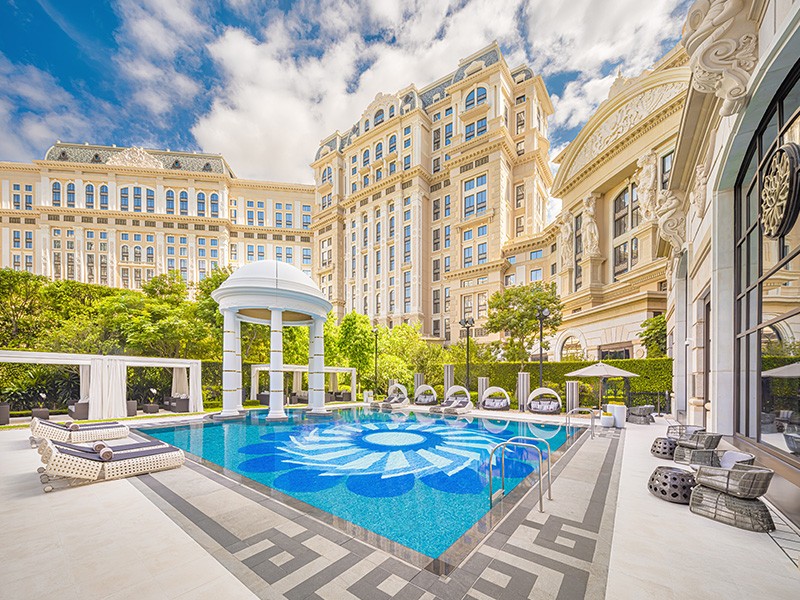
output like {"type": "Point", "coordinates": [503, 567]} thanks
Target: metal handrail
{"type": "Point", "coordinates": [503, 469]}
{"type": "Point", "coordinates": [583, 411]}
{"type": "Point", "coordinates": [525, 438]}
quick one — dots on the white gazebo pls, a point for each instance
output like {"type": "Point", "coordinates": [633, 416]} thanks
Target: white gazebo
{"type": "Point", "coordinates": [297, 371]}
{"type": "Point", "coordinates": [104, 377]}
{"type": "Point", "coordinates": [269, 292]}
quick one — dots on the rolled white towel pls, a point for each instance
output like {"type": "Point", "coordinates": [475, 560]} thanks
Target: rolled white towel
{"type": "Point", "coordinates": [73, 426]}
{"type": "Point", "coordinates": [106, 454]}
{"type": "Point", "coordinates": [99, 445]}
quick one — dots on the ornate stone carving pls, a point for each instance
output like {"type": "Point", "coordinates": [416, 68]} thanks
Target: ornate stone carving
{"type": "Point", "coordinates": [780, 194]}
{"type": "Point", "coordinates": [591, 234]}
{"type": "Point", "coordinates": [697, 197]}
{"type": "Point", "coordinates": [671, 220]}
{"type": "Point", "coordinates": [623, 120]}
{"type": "Point", "coordinates": [647, 185]}
{"type": "Point", "coordinates": [723, 47]}
{"type": "Point", "coordinates": [566, 240]}
{"type": "Point", "coordinates": [134, 157]}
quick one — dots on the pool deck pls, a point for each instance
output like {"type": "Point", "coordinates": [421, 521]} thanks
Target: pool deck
{"type": "Point", "coordinates": [194, 533]}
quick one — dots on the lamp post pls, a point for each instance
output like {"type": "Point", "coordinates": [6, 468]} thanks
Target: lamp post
{"type": "Point", "coordinates": [375, 331]}
{"type": "Point", "coordinates": [467, 324]}
{"type": "Point", "coordinates": [541, 314]}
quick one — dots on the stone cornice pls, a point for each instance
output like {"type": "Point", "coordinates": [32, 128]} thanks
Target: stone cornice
{"type": "Point", "coordinates": [495, 265]}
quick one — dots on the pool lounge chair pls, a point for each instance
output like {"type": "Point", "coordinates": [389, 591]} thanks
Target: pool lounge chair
{"type": "Point", "coordinates": [96, 447]}
{"type": "Point", "coordinates": [544, 401]}
{"type": "Point", "coordinates": [76, 433]}
{"type": "Point", "coordinates": [425, 395]}
{"type": "Point", "coordinates": [462, 403]}
{"type": "Point", "coordinates": [77, 467]}
{"type": "Point", "coordinates": [495, 398]}
{"type": "Point", "coordinates": [397, 398]}
{"type": "Point", "coordinates": [446, 403]}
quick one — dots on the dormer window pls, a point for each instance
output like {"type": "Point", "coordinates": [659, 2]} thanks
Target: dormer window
{"type": "Point", "coordinates": [475, 98]}
{"type": "Point", "coordinates": [366, 125]}
{"type": "Point", "coordinates": [391, 111]}
{"type": "Point", "coordinates": [379, 117]}
{"type": "Point", "coordinates": [176, 164]}
{"type": "Point", "coordinates": [207, 167]}
{"type": "Point", "coordinates": [96, 159]}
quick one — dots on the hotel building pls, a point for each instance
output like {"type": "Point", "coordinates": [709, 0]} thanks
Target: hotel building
{"type": "Point", "coordinates": [120, 216]}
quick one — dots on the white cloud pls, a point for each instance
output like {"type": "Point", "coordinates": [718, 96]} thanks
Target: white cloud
{"type": "Point", "coordinates": [579, 99]}
{"type": "Point", "coordinates": [35, 111]}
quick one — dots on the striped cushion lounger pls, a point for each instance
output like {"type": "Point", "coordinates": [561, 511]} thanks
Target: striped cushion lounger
{"type": "Point", "coordinates": [78, 467]}
{"type": "Point", "coordinates": [88, 432]}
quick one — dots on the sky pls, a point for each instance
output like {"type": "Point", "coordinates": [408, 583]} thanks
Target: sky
{"type": "Point", "coordinates": [263, 81]}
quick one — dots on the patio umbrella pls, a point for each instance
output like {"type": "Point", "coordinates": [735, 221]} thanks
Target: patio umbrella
{"type": "Point", "coordinates": [788, 371]}
{"type": "Point", "coordinates": [603, 371]}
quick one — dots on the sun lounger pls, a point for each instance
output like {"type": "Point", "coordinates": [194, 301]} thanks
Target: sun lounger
{"type": "Point", "coordinates": [461, 404]}
{"type": "Point", "coordinates": [99, 445]}
{"type": "Point", "coordinates": [88, 432]}
{"type": "Point", "coordinates": [397, 398]}
{"type": "Point", "coordinates": [79, 467]}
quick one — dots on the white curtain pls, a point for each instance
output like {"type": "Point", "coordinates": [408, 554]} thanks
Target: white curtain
{"type": "Point", "coordinates": [107, 389]}
{"type": "Point", "coordinates": [180, 384]}
{"type": "Point", "coordinates": [195, 388]}
{"type": "Point", "coordinates": [86, 379]}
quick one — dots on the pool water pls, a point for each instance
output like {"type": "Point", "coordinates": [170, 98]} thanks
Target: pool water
{"type": "Point", "coordinates": [413, 478]}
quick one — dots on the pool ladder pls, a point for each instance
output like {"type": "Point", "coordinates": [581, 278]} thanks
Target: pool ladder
{"type": "Point", "coordinates": [590, 411]}
{"type": "Point", "coordinates": [524, 442]}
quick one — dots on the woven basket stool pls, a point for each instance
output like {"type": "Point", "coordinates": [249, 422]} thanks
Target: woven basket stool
{"type": "Point", "coordinates": [671, 484]}
{"type": "Point", "coordinates": [663, 447]}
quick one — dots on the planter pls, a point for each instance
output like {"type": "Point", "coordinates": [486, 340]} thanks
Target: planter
{"type": "Point", "coordinates": [607, 421]}
{"type": "Point", "coordinates": [132, 407]}
{"type": "Point", "coordinates": [41, 413]}
{"type": "Point", "coordinates": [620, 412]}
{"type": "Point", "coordinates": [5, 413]}
{"type": "Point", "coordinates": [150, 409]}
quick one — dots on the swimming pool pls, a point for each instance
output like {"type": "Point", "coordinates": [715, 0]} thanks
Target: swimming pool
{"type": "Point", "coordinates": [415, 479]}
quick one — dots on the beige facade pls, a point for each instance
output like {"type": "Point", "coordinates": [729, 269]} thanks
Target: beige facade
{"type": "Point", "coordinates": [120, 216]}
{"type": "Point", "coordinates": [611, 260]}
{"type": "Point", "coordinates": [418, 200]}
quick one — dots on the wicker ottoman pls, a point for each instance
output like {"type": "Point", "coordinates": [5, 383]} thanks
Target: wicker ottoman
{"type": "Point", "coordinates": [752, 515]}
{"type": "Point", "coordinates": [663, 447]}
{"type": "Point", "coordinates": [671, 484]}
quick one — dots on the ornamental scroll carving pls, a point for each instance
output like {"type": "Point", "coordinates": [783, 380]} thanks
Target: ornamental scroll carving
{"type": "Point", "coordinates": [566, 240]}
{"type": "Point", "coordinates": [135, 157]}
{"type": "Point", "coordinates": [723, 48]}
{"type": "Point", "coordinates": [697, 198]}
{"type": "Point", "coordinates": [647, 185]}
{"type": "Point", "coordinates": [622, 120]}
{"type": "Point", "coordinates": [591, 234]}
{"type": "Point", "coordinates": [671, 220]}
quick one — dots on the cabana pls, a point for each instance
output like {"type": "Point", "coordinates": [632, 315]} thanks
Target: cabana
{"type": "Point", "coordinates": [269, 292]}
{"type": "Point", "coordinates": [104, 377]}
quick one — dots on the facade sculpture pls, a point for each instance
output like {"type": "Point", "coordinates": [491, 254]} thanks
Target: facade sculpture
{"type": "Point", "coordinates": [591, 234]}
{"type": "Point", "coordinates": [647, 178]}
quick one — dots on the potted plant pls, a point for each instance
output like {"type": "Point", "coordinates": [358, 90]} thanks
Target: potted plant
{"type": "Point", "coordinates": [620, 412]}
{"type": "Point", "coordinates": [151, 407]}
{"type": "Point", "coordinates": [606, 420]}
{"type": "Point", "coordinates": [41, 412]}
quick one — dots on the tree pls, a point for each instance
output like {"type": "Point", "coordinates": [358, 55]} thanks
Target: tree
{"type": "Point", "coordinates": [357, 343]}
{"type": "Point", "coordinates": [21, 318]}
{"type": "Point", "coordinates": [654, 336]}
{"type": "Point", "coordinates": [513, 312]}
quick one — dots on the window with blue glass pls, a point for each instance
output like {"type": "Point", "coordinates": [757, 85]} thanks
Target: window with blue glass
{"type": "Point", "coordinates": [288, 217]}
{"type": "Point", "coordinates": [467, 257]}
{"type": "Point", "coordinates": [184, 203]}
{"type": "Point", "coordinates": [481, 230]}
{"type": "Point", "coordinates": [278, 219]}
{"type": "Point", "coordinates": [378, 150]}
{"type": "Point", "coordinates": [365, 158]}
{"type": "Point", "coordinates": [89, 196]}
{"type": "Point", "coordinates": [407, 143]}
{"type": "Point", "coordinates": [71, 195]}
{"type": "Point", "coordinates": [215, 205]}
{"type": "Point", "coordinates": [124, 199]}
{"type": "Point", "coordinates": [481, 126]}
{"type": "Point", "coordinates": [392, 167]}
{"type": "Point", "coordinates": [448, 134]}
{"type": "Point", "coordinates": [56, 193]}
{"type": "Point", "coordinates": [469, 132]}
{"type": "Point", "coordinates": [467, 235]}
{"type": "Point", "coordinates": [475, 97]}
{"type": "Point", "coordinates": [447, 236]}
{"type": "Point", "coordinates": [306, 221]}
{"type": "Point", "coordinates": [251, 215]}
{"type": "Point", "coordinates": [535, 254]}
{"type": "Point", "coordinates": [407, 244]}
{"type": "Point", "coordinates": [482, 253]}
{"type": "Point", "coordinates": [150, 199]}
{"type": "Point", "coordinates": [379, 117]}
{"type": "Point", "coordinates": [406, 163]}
{"type": "Point", "coordinates": [392, 144]}
{"type": "Point", "coordinates": [306, 256]}
{"type": "Point", "coordinates": [536, 275]}
{"type": "Point", "coordinates": [137, 199]}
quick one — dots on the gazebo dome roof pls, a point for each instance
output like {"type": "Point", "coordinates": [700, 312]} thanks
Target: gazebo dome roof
{"type": "Point", "coordinates": [258, 287]}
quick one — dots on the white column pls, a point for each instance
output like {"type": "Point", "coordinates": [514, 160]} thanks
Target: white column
{"type": "Point", "coordinates": [276, 411]}
{"type": "Point", "coordinates": [231, 366]}
{"type": "Point", "coordinates": [237, 329]}
{"type": "Point", "coordinates": [316, 367]}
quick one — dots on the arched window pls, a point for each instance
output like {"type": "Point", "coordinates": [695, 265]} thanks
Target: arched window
{"type": "Point", "coordinates": [377, 303]}
{"type": "Point", "coordinates": [571, 349]}
{"type": "Point", "coordinates": [150, 255]}
{"type": "Point", "coordinates": [475, 97]}
{"type": "Point", "coordinates": [184, 199]}
{"type": "Point", "coordinates": [151, 201]}
{"type": "Point", "coordinates": [137, 254]}
{"type": "Point", "coordinates": [89, 195]}
{"type": "Point", "coordinates": [366, 306]}
{"type": "Point", "coordinates": [379, 117]}
{"type": "Point", "coordinates": [71, 195]}
{"type": "Point", "coordinates": [327, 175]}
{"type": "Point", "coordinates": [56, 193]}
{"type": "Point", "coordinates": [366, 125]}
{"type": "Point", "coordinates": [103, 197]}
{"type": "Point", "coordinates": [124, 199]}
{"type": "Point", "coordinates": [391, 300]}
{"type": "Point", "coordinates": [170, 202]}
{"type": "Point", "coordinates": [392, 144]}
{"type": "Point", "coordinates": [391, 111]}
{"type": "Point", "coordinates": [124, 253]}
{"type": "Point", "coordinates": [137, 199]}
{"type": "Point", "coordinates": [215, 205]}
{"type": "Point", "coordinates": [378, 150]}
{"type": "Point", "coordinates": [365, 158]}
{"type": "Point", "coordinates": [771, 341]}
{"type": "Point", "coordinates": [201, 204]}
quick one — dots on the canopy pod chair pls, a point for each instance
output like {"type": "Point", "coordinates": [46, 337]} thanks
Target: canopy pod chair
{"type": "Point", "coordinates": [544, 401]}
{"type": "Point", "coordinates": [397, 397]}
{"type": "Point", "coordinates": [425, 395]}
{"type": "Point", "coordinates": [495, 398]}
{"type": "Point", "coordinates": [462, 403]}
